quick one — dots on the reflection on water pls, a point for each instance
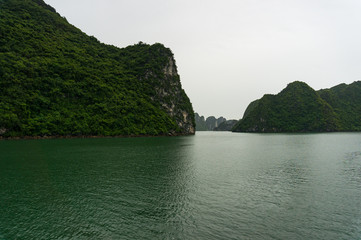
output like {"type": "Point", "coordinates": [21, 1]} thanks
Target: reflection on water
{"type": "Point", "coordinates": [352, 167]}
{"type": "Point", "coordinates": [208, 186]}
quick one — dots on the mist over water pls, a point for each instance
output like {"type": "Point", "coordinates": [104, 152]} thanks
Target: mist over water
{"type": "Point", "coordinates": [210, 186]}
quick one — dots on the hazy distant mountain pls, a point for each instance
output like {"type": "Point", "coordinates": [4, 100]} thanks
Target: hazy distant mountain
{"type": "Point", "coordinates": [209, 124]}
{"type": "Point", "coordinates": [56, 80]}
{"type": "Point", "coordinates": [299, 108]}
{"type": "Point", "coordinates": [200, 123]}
{"type": "Point", "coordinates": [226, 125]}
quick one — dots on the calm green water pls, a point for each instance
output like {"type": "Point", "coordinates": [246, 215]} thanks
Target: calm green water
{"type": "Point", "coordinates": [208, 186]}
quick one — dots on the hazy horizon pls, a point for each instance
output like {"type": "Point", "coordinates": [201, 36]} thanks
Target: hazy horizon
{"type": "Point", "coordinates": [232, 52]}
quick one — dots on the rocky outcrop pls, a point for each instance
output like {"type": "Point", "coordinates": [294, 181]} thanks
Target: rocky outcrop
{"type": "Point", "coordinates": [2, 131]}
{"type": "Point", "coordinates": [174, 100]}
{"type": "Point", "coordinates": [208, 124]}
{"type": "Point", "coordinates": [200, 123]}
{"type": "Point", "coordinates": [226, 126]}
{"type": "Point", "coordinates": [169, 93]}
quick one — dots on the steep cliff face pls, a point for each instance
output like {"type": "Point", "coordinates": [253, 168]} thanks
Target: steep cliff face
{"type": "Point", "coordinates": [171, 96]}
{"type": "Point", "coordinates": [158, 76]}
{"type": "Point", "coordinates": [55, 80]}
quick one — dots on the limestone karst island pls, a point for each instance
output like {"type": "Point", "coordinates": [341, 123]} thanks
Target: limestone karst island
{"type": "Point", "coordinates": [57, 81]}
{"type": "Point", "coordinates": [299, 108]}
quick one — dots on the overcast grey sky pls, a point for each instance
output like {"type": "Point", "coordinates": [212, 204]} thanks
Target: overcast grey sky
{"type": "Point", "coordinates": [231, 52]}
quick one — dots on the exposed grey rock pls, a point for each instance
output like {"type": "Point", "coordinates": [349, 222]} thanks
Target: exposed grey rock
{"type": "Point", "coordinates": [208, 124]}
{"type": "Point", "coordinates": [3, 131]}
{"type": "Point", "coordinates": [226, 126]}
{"type": "Point", "coordinates": [171, 96]}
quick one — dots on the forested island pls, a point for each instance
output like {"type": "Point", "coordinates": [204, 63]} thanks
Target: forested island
{"type": "Point", "coordinates": [57, 81]}
{"type": "Point", "coordinates": [299, 108]}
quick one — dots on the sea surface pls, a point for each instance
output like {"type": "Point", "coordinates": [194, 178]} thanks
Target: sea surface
{"type": "Point", "coordinates": [214, 185]}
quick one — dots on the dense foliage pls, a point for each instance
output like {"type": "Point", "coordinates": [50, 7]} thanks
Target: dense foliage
{"type": "Point", "coordinates": [56, 80]}
{"type": "Point", "coordinates": [299, 108]}
{"type": "Point", "coordinates": [346, 102]}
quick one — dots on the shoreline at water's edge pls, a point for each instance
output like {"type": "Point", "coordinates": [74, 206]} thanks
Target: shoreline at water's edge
{"type": "Point", "coordinates": [266, 132]}
{"type": "Point", "coordinates": [93, 136]}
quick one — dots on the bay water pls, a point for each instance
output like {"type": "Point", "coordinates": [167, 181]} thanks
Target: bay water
{"type": "Point", "coordinates": [214, 185]}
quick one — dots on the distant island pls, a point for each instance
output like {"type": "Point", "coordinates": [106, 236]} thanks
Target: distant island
{"type": "Point", "coordinates": [213, 124]}
{"type": "Point", "coordinates": [57, 81]}
{"type": "Point", "coordinates": [299, 108]}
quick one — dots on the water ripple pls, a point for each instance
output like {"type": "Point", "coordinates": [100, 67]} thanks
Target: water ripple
{"type": "Point", "coordinates": [211, 186]}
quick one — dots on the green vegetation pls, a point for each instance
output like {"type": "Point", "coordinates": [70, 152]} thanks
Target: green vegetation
{"type": "Point", "coordinates": [56, 80]}
{"type": "Point", "coordinates": [299, 108]}
{"type": "Point", "coordinates": [346, 102]}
